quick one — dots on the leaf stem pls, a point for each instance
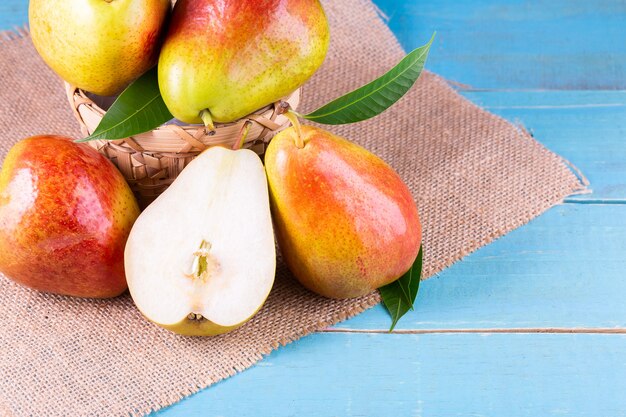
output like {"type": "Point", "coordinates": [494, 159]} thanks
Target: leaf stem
{"type": "Point", "coordinates": [293, 118]}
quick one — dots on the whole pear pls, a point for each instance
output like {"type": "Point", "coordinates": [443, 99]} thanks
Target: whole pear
{"type": "Point", "coordinates": [345, 222]}
{"type": "Point", "coordinates": [98, 45]}
{"type": "Point", "coordinates": [224, 59]}
{"type": "Point", "coordinates": [65, 215]}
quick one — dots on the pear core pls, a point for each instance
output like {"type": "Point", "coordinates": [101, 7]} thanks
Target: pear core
{"type": "Point", "coordinates": [201, 259]}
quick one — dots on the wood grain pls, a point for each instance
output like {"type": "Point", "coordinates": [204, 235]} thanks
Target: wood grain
{"type": "Point", "coordinates": [496, 44]}
{"type": "Point", "coordinates": [13, 13]}
{"type": "Point", "coordinates": [426, 375]}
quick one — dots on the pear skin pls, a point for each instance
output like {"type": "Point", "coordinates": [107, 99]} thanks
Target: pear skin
{"type": "Point", "coordinates": [231, 58]}
{"type": "Point", "coordinates": [345, 221]}
{"type": "Point", "coordinates": [100, 46]}
{"type": "Point", "coordinates": [202, 327]}
{"type": "Point", "coordinates": [65, 215]}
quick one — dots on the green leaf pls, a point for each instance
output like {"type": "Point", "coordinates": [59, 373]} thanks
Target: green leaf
{"type": "Point", "coordinates": [138, 109]}
{"type": "Point", "coordinates": [400, 295]}
{"type": "Point", "coordinates": [377, 96]}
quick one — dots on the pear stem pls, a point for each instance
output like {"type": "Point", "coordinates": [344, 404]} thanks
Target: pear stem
{"type": "Point", "coordinates": [293, 118]}
{"type": "Point", "coordinates": [245, 129]}
{"type": "Point", "coordinates": [207, 119]}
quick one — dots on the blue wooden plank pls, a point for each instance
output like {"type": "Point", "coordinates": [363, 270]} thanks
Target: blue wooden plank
{"type": "Point", "coordinates": [427, 375]}
{"type": "Point", "coordinates": [557, 44]}
{"type": "Point", "coordinates": [13, 13]}
{"type": "Point", "coordinates": [586, 127]}
{"type": "Point", "coordinates": [564, 269]}
{"type": "Point", "coordinates": [496, 44]}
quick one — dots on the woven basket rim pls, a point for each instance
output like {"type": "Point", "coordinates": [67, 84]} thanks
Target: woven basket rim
{"type": "Point", "coordinates": [150, 161]}
{"type": "Point", "coordinates": [82, 97]}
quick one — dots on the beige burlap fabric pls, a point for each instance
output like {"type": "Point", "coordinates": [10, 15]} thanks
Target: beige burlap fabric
{"type": "Point", "coordinates": [475, 177]}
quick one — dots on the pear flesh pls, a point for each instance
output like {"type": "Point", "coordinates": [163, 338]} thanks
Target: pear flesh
{"type": "Point", "coordinates": [201, 260]}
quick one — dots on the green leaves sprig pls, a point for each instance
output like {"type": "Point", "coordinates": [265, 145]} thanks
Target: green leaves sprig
{"type": "Point", "coordinates": [377, 96]}
{"type": "Point", "coordinates": [399, 296]}
{"type": "Point", "coordinates": [140, 108]}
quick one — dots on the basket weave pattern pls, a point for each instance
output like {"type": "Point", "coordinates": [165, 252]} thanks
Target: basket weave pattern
{"type": "Point", "coordinates": [151, 161]}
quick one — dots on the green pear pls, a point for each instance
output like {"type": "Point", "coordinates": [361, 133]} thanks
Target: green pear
{"type": "Point", "coordinates": [201, 259]}
{"type": "Point", "coordinates": [222, 60]}
{"type": "Point", "coordinates": [98, 45]}
{"type": "Point", "coordinates": [345, 222]}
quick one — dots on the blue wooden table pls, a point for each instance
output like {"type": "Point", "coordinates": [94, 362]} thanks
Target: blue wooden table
{"type": "Point", "coordinates": [532, 325]}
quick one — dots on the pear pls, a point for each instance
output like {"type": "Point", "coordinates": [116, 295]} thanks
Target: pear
{"type": "Point", "coordinates": [224, 59]}
{"type": "Point", "coordinates": [65, 215]}
{"type": "Point", "coordinates": [345, 222]}
{"type": "Point", "coordinates": [98, 45]}
{"type": "Point", "coordinates": [201, 260]}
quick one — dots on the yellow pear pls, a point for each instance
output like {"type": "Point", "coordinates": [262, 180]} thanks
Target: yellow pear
{"type": "Point", "coordinates": [98, 45]}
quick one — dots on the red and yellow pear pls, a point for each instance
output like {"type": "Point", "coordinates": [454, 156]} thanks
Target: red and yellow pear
{"type": "Point", "coordinates": [98, 45]}
{"type": "Point", "coordinates": [65, 216]}
{"type": "Point", "coordinates": [224, 59]}
{"type": "Point", "coordinates": [345, 222]}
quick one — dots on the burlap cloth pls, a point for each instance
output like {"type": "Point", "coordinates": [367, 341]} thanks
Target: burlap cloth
{"type": "Point", "coordinates": [475, 177]}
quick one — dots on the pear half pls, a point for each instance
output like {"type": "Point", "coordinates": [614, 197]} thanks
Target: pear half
{"type": "Point", "coordinates": [201, 260]}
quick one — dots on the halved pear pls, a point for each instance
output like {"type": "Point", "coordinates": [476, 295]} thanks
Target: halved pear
{"type": "Point", "coordinates": [201, 260]}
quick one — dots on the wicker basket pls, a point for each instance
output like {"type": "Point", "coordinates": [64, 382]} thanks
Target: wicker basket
{"type": "Point", "coordinates": [151, 161]}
